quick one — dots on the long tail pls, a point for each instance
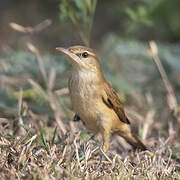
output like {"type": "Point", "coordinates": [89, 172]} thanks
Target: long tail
{"type": "Point", "coordinates": [133, 140]}
{"type": "Point", "coordinates": [136, 143]}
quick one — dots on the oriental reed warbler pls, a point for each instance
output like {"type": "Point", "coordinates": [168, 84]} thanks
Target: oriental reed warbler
{"type": "Point", "coordinates": [93, 99]}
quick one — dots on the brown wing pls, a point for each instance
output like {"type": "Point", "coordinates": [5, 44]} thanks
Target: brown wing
{"type": "Point", "coordinates": [112, 100]}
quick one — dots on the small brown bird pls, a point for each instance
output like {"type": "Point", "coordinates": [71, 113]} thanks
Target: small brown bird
{"type": "Point", "coordinates": [94, 100]}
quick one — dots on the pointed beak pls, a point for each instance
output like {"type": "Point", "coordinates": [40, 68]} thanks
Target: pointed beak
{"type": "Point", "coordinates": [64, 50]}
{"type": "Point", "coordinates": [72, 56]}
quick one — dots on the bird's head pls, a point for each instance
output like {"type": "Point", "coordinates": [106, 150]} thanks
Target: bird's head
{"type": "Point", "coordinates": [81, 58]}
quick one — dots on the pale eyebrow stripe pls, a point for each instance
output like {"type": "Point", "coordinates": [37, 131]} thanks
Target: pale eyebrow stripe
{"type": "Point", "coordinates": [90, 53]}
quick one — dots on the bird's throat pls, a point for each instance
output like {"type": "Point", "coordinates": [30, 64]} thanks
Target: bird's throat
{"type": "Point", "coordinates": [86, 78]}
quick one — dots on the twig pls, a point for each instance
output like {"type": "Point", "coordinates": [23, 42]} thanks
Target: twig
{"type": "Point", "coordinates": [20, 102]}
{"type": "Point", "coordinates": [36, 86]}
{"type": "Point", "coordinates": [49, 96]}
{"type": "Point", "coordinates": [62, 91]}
{"type": "Point", "coordinates": [20, 124]}
{"type": "Point", "coordinates": [105, 155]}
{"type": "Point", "coordinates": [148, 122]}
{"type": "Point", "coordinates": [33, 49]}
{"type": "Point", "coordinates": [172, 133]}
{"type": "Point", "coordinates": [57, 110]}
{"type": "Point", "coordinates": [44, 24]}
{"type": "Point", "coordinates": [77, 153]}
{"type": "Point", "coordinates": [171, 98]}
{"type": "Point", "coordinates": [52, 77]}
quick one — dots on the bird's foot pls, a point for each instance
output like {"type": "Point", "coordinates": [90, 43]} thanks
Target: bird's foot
{"type": "Point", "coordinates": [103, 157]}
{"type": "Point", "coordinates": [76, 118]}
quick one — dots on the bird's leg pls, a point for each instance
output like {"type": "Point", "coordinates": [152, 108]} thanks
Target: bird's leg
{"type": "Point", "coordinates": [91, 138]}
{"type": "Point", "coordinates": [85, 143]}
{"type": "Point", "coordinates": [76, 118]}
{"type": "Point", "coordinates": [84, 146]}
{"type": "Point", "coordinates": [105, 135]}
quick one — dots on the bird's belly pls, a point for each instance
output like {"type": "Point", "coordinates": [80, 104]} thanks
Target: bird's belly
{"type": "Point", "coordinates": [87, 108]}
{"type": "Point", "coordinates": [86, 98]}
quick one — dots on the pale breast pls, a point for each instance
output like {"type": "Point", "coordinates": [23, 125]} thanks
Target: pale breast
{"type": "Point", "coordinates": [84, 96]}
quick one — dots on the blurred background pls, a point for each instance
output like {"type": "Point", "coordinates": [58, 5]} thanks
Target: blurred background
{"type": "Point", "coordinates": [119, 32]}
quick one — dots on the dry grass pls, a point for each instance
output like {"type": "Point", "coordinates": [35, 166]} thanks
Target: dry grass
{"type": "Point", "coordinates": [39, 156]}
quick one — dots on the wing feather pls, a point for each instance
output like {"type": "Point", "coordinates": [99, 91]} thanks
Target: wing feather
{"type": "Point", "coordinates": [112, 100]}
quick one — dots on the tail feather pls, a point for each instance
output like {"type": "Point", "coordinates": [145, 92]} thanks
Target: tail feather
{"type": "Point", "coordinates": [136, 143]}
{"type": "Point", "coordinates": [133, 140]}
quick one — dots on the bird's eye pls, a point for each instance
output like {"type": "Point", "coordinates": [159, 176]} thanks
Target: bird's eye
{"type": "Point", "coordinates": [85, 54]}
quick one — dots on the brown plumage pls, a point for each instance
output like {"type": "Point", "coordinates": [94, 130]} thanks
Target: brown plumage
{"type": "Point", "coordinates": [94, 100]}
